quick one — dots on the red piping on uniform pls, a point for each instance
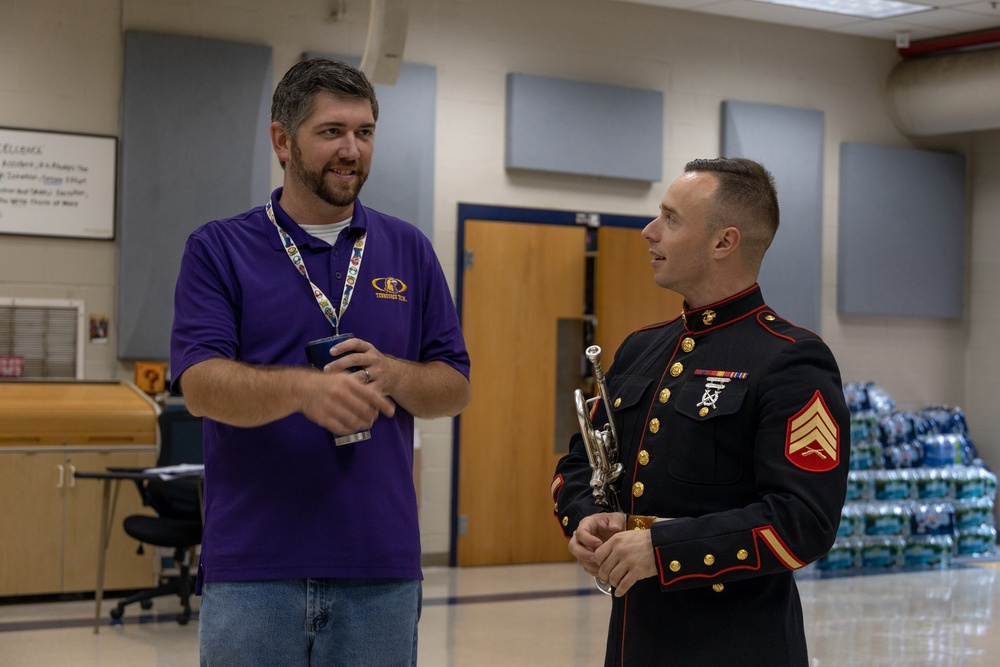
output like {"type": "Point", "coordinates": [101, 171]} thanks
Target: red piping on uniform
{"type": "Point", "coordinates": [960, 42]}
{"type": "Point", "coordinates": [624, 618]}
{"type": "Point", "coordinates": [726, 323]}
{"type": "Point", "coordinates": [708, 575]}
{"type": "Point", "coordinates": [557, 487]}
{"type": "Point", "coordinates": [772, 331]}
{"type": "Point", "coordinates": [658, 325]}
{"type": "Point", "coordinates": [719, 304]}
{"type": "Point", "coordinates": [642, 438]}
{"type": "Point", "coordinates": [791, 557]}
{"type": "Point", "coordinates": [727, 299]}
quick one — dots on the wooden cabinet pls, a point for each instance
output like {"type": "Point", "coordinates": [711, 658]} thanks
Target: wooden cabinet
{"type": "Point", "coordinates": [51, 524]}
{"type": "Point", "coordinates": [50, 528]}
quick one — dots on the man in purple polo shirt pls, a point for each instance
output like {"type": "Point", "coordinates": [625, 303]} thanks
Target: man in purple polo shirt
{"type": "Point", "coordinates": [311, 553]}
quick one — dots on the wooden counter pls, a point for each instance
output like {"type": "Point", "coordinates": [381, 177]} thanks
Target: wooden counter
{"type": "Point", "coordinates": [48, 432]}
{"type": "Point", "coordinates": [75, 413]}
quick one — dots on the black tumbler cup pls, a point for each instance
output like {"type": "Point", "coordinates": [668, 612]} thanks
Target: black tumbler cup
{"type": "Point", "coordinates": [318, 354]}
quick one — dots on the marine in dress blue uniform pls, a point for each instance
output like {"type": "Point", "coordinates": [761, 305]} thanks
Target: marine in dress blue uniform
{"type": "Point", "coordinates": [734, 437]}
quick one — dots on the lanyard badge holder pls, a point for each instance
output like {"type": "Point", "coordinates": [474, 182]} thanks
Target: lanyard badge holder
{"type": "Point", "coordinates": [318, 351]}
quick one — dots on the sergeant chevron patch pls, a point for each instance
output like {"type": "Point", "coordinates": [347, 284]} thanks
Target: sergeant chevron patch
{"type": "Point", "coordinates": [813, 437]}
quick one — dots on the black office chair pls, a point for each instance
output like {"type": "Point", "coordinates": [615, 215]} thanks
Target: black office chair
{"type": "Point", "coordinates": [177, 504]}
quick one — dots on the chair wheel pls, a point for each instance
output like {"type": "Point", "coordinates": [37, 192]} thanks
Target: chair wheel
{"type": "Point", "coordinates": [146, 604]}
{"type": "Point", "coordinates": [182, 619]}
{"type": "Point", "coordinates": [116, 613]}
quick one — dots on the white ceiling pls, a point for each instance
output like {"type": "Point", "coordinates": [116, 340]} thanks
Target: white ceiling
{"type": "Point", "coordinates": [949, 17]}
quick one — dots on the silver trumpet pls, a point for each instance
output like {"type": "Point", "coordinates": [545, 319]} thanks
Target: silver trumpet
{"type": "Point", "coordinates": [602, 446]}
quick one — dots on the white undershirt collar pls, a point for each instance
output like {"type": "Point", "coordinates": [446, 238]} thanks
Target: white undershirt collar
{"type": "Point", "coordinates": [328, 233]}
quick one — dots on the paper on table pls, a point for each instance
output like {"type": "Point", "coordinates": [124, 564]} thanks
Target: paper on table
{"type": "Point", "coordinates": [179, 470]}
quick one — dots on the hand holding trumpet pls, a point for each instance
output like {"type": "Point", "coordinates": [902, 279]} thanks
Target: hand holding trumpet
{"type": "Point", "coordinates": [591, 534]}
{"type": "Point", "coordinates": [625, 558]}
{"type": "Point", "coordinates": [615, 557]}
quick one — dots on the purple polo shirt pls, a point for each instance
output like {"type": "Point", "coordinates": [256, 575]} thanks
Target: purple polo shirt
{"type": "Point", "coordinates": [281, 501]}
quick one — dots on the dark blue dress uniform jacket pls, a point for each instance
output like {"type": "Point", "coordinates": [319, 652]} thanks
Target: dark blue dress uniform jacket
{"type": "Point", "coordinates": [733, 425]}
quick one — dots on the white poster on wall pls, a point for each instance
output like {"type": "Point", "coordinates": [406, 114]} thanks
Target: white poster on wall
{"type": "Point", "coordinates": [57, 184]}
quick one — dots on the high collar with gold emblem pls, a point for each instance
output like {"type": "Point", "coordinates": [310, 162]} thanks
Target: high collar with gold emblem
{"type": "Point", "coordinates": [723, 312]}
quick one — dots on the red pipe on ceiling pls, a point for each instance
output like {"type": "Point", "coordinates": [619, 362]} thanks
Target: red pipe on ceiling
{"type": "Point", "coordinates": [960, 42]}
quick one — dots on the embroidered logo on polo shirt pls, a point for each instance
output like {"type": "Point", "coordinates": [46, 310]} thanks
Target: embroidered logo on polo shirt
{"type": "Point", "coordinates": [813, 437]}
{"type": "Point", "coordinates": [389, 288]}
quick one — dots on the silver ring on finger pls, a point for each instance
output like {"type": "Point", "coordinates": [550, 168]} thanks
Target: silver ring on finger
{"type": "Point", "coordinates": [368, 376]}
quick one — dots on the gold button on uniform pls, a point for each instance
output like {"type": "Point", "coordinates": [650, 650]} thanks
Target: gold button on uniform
{"type": "Point", "coordinates": [687, 344]}
{"type": "Point", "coordinates": [677, 369]}
{"type": "Point", "coordinates": [769, 318]}
{"type": "Point", "coordinates": [638, 488]}
{"type": "Point", "coordinates": [709, 559]}
{"type": "Point", "coordinates": [664, 396]}
{"type": "Point", "coordinates": [703, 412]}
{"type": "Point", "coordinates": [654, 425]}
{"type": "Point", "coordinates": [674, 566]}
{"type": "Point", "coordinates": [717, 588]}
{"type": "Point", "coordinates": [565, 521]}
{"type": "Point", "coordinates": [618, 402]}
{"type": "Point", "coordinates": [643, 457]}
{"type": "Point", "coordinates": [742, 554]}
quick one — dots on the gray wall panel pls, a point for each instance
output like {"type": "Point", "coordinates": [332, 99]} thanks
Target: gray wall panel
{"type": "Point", "coordinates": [195, 147]}
{"type": "Point", "coordinates": [901, 232]}
{"type": "Point", "coordinates": [575, 127]}
{"type": "Point", "coordinates": [401, 182]}
{"type": "Point", "coordinates": [789, 143]}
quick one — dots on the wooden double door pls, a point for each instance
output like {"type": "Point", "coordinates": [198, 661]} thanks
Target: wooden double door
{"type": "Point", "coordinates": [531, 295]}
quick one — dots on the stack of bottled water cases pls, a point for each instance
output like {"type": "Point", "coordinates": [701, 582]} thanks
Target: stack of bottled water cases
{"type": "Point", "coordinates": [918, 496]}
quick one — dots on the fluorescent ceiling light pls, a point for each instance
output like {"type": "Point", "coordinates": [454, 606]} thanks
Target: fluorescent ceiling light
{"type": "Point", "coordinates": [869, 9]}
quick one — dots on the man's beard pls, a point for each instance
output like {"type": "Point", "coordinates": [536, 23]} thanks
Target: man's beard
{"type": "Point", "coordinates": [342, 194]}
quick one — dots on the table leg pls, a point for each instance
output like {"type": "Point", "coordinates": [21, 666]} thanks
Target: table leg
{"type": "Point", "coordinates": [107, 515]}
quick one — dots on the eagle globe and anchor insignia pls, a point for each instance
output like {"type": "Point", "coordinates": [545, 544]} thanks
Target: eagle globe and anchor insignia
{"type": "Point", "coordinates": [389, 288]}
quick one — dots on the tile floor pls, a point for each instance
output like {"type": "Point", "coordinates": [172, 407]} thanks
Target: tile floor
{"type": "Point", "coordinates": [550, 615]}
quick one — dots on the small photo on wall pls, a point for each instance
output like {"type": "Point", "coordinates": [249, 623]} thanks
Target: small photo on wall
{"type": "Point", "coordinates": [98, 329]}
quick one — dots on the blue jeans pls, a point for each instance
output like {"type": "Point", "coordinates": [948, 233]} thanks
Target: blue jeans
{"type": "Point", "coordinates": [310, 622]}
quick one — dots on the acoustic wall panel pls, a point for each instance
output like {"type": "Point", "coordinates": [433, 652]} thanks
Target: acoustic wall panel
{"type": "Point", "coordinates": [401, 182]}
{"type": "Point", "coordinates": [575, 127]}
{"type": "Point", "coordinates": [901, 232]}
{"type": "Point", "coordinates": [789, 143]}
{"type": "Point", "coordinates": [195, 147]}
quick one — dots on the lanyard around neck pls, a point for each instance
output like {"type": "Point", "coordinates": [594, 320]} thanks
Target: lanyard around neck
{"type": "Point", "coordinates": [352, 271]}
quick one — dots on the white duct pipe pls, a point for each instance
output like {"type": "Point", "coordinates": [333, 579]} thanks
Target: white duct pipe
{"type": "Point", "coordinates": [387, 25]}
{"type": "Point", "coordinates": [958, 92]}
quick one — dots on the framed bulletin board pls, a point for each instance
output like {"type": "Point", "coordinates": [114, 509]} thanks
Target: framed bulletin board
{"type": "Point", "coordinates": [57, 184]}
